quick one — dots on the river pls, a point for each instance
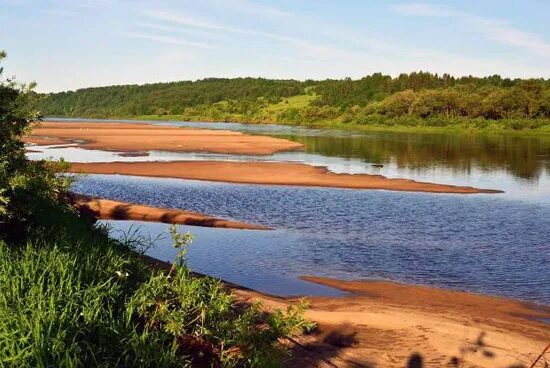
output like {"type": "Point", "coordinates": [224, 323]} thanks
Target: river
{"type": "Point", "coordinates": [496, 244]}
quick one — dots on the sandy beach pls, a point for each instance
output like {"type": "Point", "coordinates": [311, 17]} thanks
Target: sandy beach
{"type": "Point", "coordinates": [145, 137]}
{"type": "Point", "coordinates": [106, 209]}
{"type": "Point", "coordinates": [382, 324]}
{"type": "Point", "coordinates": [267, 173]}
{"type": "Point", "coordinates": [386, 324]}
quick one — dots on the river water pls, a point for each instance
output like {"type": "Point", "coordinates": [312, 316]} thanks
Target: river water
{"type": "Point", "coordinates": [490, 243]}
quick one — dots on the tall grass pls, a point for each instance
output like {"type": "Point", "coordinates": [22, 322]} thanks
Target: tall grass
{"type": "Point", "coordinates": [70, 296]}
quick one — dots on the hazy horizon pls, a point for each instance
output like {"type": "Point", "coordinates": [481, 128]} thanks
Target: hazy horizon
{"type": "Point", "coordinates": [66, 46]}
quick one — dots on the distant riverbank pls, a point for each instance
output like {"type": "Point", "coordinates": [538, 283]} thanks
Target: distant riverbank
{"type": "Point", "coordinates": [418, 100]}
{"type": "Point", "coordinates": [405, 125]}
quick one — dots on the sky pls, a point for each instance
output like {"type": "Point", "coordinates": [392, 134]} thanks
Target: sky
{"type": "Point", "coordinates": [71, 44]}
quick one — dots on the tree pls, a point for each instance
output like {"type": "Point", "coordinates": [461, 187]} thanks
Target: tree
{"type": "Point", "coordinates": [22, 182]}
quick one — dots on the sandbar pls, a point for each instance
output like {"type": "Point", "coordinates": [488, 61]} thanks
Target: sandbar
{"type": "Point", "coordinates": [107, 209]}
{"type": "Point", "coordinates": [270, 173]}
{"type": "Point", "coordinates": [127, 137]}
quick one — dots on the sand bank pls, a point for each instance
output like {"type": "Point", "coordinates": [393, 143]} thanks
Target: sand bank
{"type": "Point", "coordinates": [385, 324]}
{"type": "Point", "coordinates": [113, 210]}
{"type": "Point", "coordinates": [267, 173]}
{"type": "Point", "coordinates": [145, 137]}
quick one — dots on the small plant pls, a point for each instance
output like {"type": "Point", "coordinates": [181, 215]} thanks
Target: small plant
{"type": "Point", "coordinates": [181, 242]}
{"type": "Point", "coordinates": [204, 321]}
{"type": "Point", "coordinates": [135, 240]}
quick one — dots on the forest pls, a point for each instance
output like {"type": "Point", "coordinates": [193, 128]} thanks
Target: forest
{"type": "Point", "coordinates": [415, 99]}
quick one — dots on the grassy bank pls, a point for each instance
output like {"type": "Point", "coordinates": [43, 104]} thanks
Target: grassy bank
{"type": "Point", "coordinates": [454, 126]}
{"type": "Point", "coordinates": [300, 111]}
{"type": "Point", "coordinates": [72, 296]}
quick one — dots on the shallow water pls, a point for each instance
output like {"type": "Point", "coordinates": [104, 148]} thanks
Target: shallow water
{"type": "Point", "coordinates": [482, 243]}
{"type": "Point", "coordinates": [495, 244]}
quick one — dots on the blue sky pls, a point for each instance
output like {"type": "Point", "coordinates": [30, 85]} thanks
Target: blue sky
{"type": "Point", "coordinates": [64, 44]}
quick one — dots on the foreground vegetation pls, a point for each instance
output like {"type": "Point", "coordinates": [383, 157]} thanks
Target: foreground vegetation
{"type": "Point", "coordinates": [71, 296]}
{"type": "Point", "coordinates": [410, 100]}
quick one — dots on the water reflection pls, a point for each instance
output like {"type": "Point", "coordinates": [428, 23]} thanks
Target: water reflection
{"type": "Point", "coordinates": [523, 157]}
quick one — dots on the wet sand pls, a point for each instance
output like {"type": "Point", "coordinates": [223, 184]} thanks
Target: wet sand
{"type": "Point", "coordinates": [106, 209]}
{"type": "Point", "coordinates": [129, 137]}
{"type": "Point", "coordinates": [385, 324]}
{"type": "Point", "coordinates": [267, 173]}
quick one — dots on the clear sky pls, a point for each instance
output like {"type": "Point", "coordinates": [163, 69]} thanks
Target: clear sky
{"type": "Point", "coordinates": [69, 44]}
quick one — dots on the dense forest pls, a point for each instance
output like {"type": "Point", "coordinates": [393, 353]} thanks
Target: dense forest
{"type": "Point", "coordinates": [415, 99]}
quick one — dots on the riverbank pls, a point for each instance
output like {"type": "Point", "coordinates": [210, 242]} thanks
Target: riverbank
{"type": "Point", "coordinates": [396, 125]}
{"type": "Point", "coordinates": [386, 324]}
{"type": "Point", "coordinates": [269, 173]}
{"type": "Point", "coordinates": [393, 325]}
{"type": "Point", "coordinates": [106, 209]}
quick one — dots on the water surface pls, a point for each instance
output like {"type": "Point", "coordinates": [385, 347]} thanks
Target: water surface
{"type": "Point", "coordinates": [482, 243]}
{"type": "Point", "coordinates": [495, 244]}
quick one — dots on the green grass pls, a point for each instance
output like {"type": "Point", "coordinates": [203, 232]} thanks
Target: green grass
{"type": "Point", "coordinates": [70, 296]}
{"type": "Point", "coordinates": [296, 102]}
{"type": "Point", "coordinates": [463, 127]}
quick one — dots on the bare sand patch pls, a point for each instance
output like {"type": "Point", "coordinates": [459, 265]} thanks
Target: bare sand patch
{"type": "Point", "coordinates": [267, 173]}
{"type": "Point", "coordinates": [129, 137]}
{"type": "Point", "coordinates": [386, 324]}
{"type": "Point", "coordinates": [114, 210]}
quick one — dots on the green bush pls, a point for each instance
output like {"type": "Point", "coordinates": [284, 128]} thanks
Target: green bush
{"type": "Point", "coordinates": [22, 182]}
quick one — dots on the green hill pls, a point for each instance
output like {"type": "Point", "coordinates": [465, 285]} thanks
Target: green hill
{"type": "Point", "coordinates": [415, 99]}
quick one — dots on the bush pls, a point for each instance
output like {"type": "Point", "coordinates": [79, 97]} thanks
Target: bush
{"type": "Point", "coordinates": [22, 183]}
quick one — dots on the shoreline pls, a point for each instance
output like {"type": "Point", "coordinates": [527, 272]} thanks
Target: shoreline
{"type": "Point", "coordinates": [268, 173]}
{"type": "Point", "coordinates": [106, 209]}
{"type": "Point", "coordinates": [386, 324]}
{"type": "Point", "coordinates": [464, 129]}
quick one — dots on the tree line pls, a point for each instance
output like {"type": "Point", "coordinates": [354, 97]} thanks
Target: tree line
{"type": "Point", "coordinates": [418, 98]}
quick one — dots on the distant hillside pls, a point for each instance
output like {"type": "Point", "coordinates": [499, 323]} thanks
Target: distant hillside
{"type": "Point", "coordinates": [414, 99]}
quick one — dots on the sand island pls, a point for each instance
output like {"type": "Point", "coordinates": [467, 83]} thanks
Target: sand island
{"type": "Point", "coordinates": [143, 137]}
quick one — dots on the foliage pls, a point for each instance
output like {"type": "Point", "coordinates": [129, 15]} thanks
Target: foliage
{"type": "Point", "coordinates": [415, 99]}
{"type": "Point", "coordinates": [62, 303]}
{"type": "Point", "coordinates": [72, 296]}
{"type": "Point", "coordinates": [166, 98]}
{"type": "Point", "coordinates": [22, 182]}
